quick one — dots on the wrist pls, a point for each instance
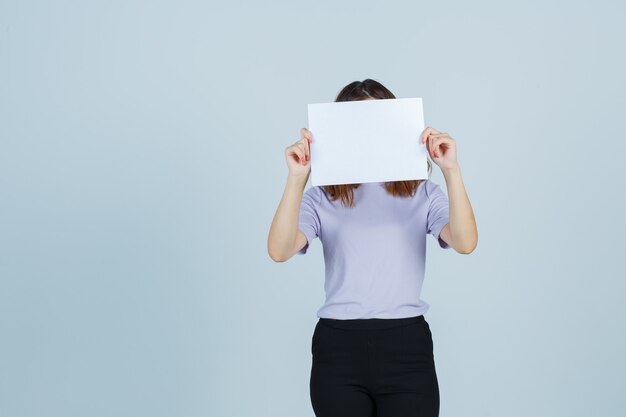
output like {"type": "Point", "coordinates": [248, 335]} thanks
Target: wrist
{"type": "Point", "coordinates": [453, 170]}
{"type": "Point", "coordinates": [298, 181]}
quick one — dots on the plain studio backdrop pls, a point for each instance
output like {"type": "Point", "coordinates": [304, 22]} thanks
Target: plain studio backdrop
{"type": "Point", "coordinates": [141, 164]}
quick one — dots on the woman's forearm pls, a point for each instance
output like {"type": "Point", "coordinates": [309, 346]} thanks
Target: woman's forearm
{"type": "Point", "coordinates": [462, 222]}
{"type": "Point", "coordinates": [284, 228]}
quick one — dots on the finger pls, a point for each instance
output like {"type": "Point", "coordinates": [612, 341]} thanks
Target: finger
{"type": "Point", "coordinates": [430, 130]}
{"type": "Point", "coordinates": [441, 137]}
{"type": "Point", "coordinates": [427, 132]}
{"type": "Point", "coordinates": [297, 152]}
{"type": "Point", "coordinates": [430, 146]}
{"type": "Point", "coordinates": [305, 142]}
{"type": "Point", "coordinates": [307, 149]}
{"type": "Point", "coordinates": [305, 133]}
{"type": "Point", "coordinates": [440, 148]}
{"type": "Point", "coordinates": [437, 136]}
{"type": "Point", "coordinates": [444, 138]}
{"type": "Point", "coordinates": [443, 143]}
{"type": "Point", "coordinates": [435, 145]}
{"type": "Point", "coordinates": [304, 148]}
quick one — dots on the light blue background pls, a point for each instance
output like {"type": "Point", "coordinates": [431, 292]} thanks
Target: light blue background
{"type": "Point", "coordinates": [141, 163]}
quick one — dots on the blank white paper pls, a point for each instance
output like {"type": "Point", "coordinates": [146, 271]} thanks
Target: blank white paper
{"type": "Point", "coordinates": [367, 141]}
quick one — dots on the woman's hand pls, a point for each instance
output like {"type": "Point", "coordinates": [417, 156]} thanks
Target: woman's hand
{"type": "Point", "coordinates": [441, 147]}
{"type": "Point", "coordinates": [298, 155]}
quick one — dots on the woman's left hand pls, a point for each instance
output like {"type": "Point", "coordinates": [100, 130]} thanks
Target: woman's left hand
{"type": "Point", "coordinates": [441, 147]}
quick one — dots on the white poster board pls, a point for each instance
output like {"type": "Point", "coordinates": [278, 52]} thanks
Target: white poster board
{"type": "Point", "coordinates": [367, 141]}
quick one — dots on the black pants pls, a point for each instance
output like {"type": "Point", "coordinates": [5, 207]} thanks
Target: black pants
{"type": "Point", "coordinates": [373, 368]}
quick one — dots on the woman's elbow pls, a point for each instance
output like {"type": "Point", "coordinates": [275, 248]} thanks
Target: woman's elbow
{"type": "Point", "coordinates": [278, 255]}
{"type": "Point", "coordinates": [468, 247]}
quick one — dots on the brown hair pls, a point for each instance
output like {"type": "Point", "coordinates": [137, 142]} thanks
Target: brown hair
{"type": "Point", "coordinates": [362, 90]}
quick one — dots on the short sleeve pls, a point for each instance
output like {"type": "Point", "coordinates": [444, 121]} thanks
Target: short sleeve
{"type": "Point", "coordinates": [309, 221]}
{"type": "Point", "coordinates": [438, 211]}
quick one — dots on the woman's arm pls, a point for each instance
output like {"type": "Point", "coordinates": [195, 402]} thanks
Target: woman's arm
{"type": "Point", "coordinates": [461, 232]}
{"type": "Point", "coordinates": [285, 239]}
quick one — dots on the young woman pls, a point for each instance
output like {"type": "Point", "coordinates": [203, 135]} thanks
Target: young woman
{"type": "Point", "coordinates": [372, 349]}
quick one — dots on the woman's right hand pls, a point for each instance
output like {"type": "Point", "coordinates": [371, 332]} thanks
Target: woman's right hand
{"type": "Point", "coordinates": [298, 155]}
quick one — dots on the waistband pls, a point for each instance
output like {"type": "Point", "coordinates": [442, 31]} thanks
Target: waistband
{"type": "Point", "coordinates": [370, 324]}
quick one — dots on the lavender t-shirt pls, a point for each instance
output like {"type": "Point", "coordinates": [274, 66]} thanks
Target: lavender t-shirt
{"type": "Point", "coordinates": [375, 251]}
